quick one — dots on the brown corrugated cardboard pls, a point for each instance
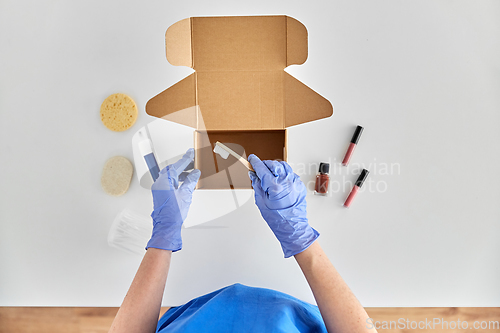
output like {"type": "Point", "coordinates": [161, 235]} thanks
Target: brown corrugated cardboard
{"type": "Point", "coordinates": [239, 93]}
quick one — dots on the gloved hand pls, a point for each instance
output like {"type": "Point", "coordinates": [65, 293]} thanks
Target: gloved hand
{"type": "Point", "coordinates": [281, 198]}
{"type": "Point", "coordinates": [171, 203]}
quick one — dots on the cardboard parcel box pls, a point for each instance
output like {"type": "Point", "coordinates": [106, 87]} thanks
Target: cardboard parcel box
{"type": "Point", "coordinates": [239, 93]}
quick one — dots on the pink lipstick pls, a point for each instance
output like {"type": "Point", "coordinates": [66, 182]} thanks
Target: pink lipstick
{"type": "Point", "coordinates": [352, 145]}
{"type": "Point", "coordinates": [357, 186]}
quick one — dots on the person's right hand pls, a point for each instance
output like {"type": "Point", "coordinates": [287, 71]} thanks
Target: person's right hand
{"type": "Point", "coordinates": [281, 198]}
{"type": "Point", "coordinates": [171, 201]}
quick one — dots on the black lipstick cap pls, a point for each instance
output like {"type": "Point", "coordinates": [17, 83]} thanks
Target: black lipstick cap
{"type": "Point", "coordinates": [357, 134]}
{"type": "Point", "coordinates": [361, 178]}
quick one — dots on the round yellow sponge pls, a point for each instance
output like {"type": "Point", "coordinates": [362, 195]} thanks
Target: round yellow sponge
{"type": "Point", "coordinates": [118, 112]}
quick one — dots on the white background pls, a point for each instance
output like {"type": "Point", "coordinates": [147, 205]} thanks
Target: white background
{"type": "Point", "coordinates": [422, 77]}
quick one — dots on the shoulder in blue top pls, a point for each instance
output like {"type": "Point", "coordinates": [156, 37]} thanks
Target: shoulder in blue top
{"type": "Point", "coordinates": [239, 308]}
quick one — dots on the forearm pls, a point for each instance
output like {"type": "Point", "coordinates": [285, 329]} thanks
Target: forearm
{"type": "Point", "coordinates": [141, 307]}
{"type": "Point", "coordinates": [339, 308]}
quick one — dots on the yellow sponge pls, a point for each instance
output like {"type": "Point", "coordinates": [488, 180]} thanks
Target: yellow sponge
{"type": "Point", "coordinates": [118, 112]}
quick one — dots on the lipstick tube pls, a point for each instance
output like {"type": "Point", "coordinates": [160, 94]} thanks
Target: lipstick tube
{"type": "Point", "coordinates": [352, 145]}
{"type": "Point", "coordinates": [355, 189]}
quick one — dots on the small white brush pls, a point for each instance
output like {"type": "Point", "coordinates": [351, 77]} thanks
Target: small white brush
{"type": "Point", "coordinates": [224, 152]}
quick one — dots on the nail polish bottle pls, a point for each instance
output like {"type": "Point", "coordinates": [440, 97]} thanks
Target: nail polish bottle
{"type": "Point", "coordinates": [322, 179]}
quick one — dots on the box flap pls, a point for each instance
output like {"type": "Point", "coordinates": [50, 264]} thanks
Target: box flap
{"type": "Point", "coordinates": [296, 42]}
{"type": "Point", "coordinates": [302, 104]}
{"type": "Point", "coordinates": [177, 103]}
{"type": "Point", "coordinates": [236, 43]}
{"type": "Point", "coordinates": [178, 43]}
{"type": "Point", "coordinates": [240, 100]}
{"type": "Point", "coordinates": [251, 43]}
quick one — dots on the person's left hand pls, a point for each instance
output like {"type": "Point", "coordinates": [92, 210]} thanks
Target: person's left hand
{"type": "Point", "coordinates": [171, 203]}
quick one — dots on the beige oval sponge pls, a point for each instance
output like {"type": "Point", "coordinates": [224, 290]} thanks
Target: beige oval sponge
{"type": "Point", "coordinates": [116, 175]}
{"type": "Point", "coordinates": [118, 112]}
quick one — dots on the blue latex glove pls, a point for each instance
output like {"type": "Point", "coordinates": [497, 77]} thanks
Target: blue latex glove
{"type": "Point", "coordinates": [171, 203]}
{"type": "Point", "coordinates": [281, 198]}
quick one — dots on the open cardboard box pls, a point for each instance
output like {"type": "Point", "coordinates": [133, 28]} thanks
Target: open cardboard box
{"type": "Point", "coordinates": [239, 93]}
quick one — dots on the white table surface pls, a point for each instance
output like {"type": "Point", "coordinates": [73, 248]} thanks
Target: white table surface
{"type": "Point", "coordinates": [421, 77]}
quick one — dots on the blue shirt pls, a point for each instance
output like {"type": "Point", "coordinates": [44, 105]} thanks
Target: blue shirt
{"type": "Point", "coordinates": [239, 308]}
